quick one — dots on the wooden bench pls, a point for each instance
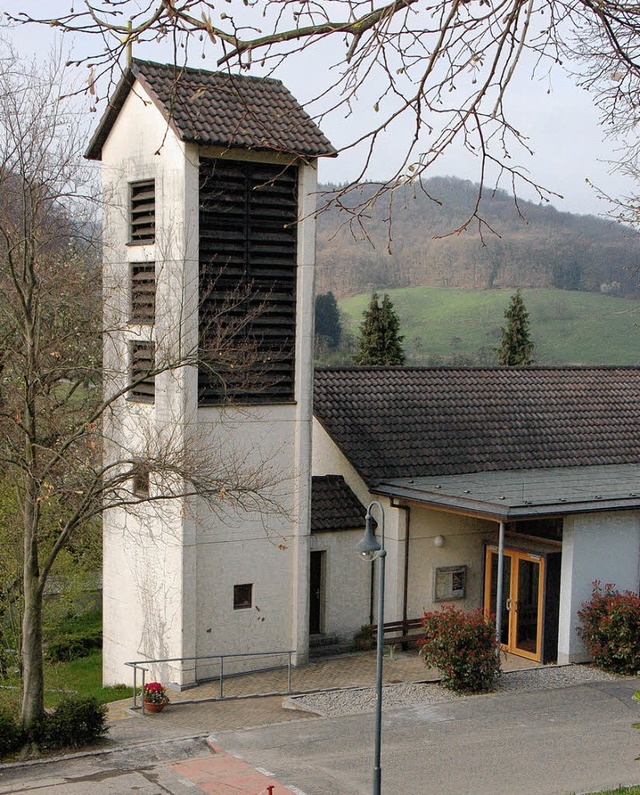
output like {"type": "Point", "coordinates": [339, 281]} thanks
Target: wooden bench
{"type": "Point", "coordinates": [400, 633]}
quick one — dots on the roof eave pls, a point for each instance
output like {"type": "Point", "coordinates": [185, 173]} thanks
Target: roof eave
{"type": "Point", "coordinates": [506, 512]}
{"type": "Point", "coordinates": [98, 139]}
{"type": "Point", "coordinates": [299, 153]}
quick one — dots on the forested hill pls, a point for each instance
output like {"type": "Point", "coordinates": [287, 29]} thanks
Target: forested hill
{"type": "Point", "coordinates": [545, 248]}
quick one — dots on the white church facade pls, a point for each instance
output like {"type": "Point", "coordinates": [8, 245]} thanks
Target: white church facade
{"type": "Point", "coordinates": [209, 249]}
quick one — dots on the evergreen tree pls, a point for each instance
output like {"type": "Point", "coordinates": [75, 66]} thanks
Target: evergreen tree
{"type": "Point", "coordinates": [380, 341]}
{"type": "Point", "coordinates": [328, 327]}
{"type": "Point", "coordinates": [516, 349]}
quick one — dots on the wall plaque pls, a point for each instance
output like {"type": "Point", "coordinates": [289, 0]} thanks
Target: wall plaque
{"type": "Point", "coordinates": [450, 583]}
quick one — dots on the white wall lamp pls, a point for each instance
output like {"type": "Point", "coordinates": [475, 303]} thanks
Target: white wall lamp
{"type": "Point", "coordinates": [438, 541]}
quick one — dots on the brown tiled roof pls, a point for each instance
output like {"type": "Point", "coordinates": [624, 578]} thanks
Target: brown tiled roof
{"type": "Point", "coordinates": [219, 109]}
{"type": "Point", "coordinates": [396, 422]}
{"type": "Point", "coordinates": [334, 506]}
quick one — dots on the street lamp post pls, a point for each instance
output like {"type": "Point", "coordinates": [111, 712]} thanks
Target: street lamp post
{"type": "Point", "coordinates": [369, 549]}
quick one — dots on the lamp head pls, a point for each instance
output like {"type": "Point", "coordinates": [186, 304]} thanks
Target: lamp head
{"type": "Point", "coordinates": [368, 547]}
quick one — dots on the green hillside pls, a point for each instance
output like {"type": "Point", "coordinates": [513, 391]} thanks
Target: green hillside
{"type": "Point", "coordinates": [458, 326]}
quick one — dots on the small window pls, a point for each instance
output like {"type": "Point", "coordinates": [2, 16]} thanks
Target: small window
{"type": "Point", "coordinates": [143, 211]}
{"type": "Point", "coordinates": [143, 293]}
{"type": "Point", "coordinates": [242, 596]}
{"type": "Point", "coordinates": [141, 482]}
{"type": "Point", "coordinates": [142, 364]}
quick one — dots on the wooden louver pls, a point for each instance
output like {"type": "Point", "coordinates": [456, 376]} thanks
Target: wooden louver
{"type": "Point", "coordinates": [248, 258]}
{"type": "Point", "coordinates": [142, 357]}
{"type": "Point", "coordinates": [143, 293]}
{"type": "Point", "coordinates": [143, 211]}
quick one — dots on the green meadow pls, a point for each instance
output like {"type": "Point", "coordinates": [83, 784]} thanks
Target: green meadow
{"type": "Point", "coordinates": [445, 326]}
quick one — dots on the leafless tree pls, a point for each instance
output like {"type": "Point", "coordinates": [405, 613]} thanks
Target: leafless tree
{"type": "Point", "coordinates": [448, 65]}
{"type": "Point", "coordinates": [52, 387]}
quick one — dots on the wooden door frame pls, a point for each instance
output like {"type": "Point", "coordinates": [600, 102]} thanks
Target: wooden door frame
{"type": "Point", "coordinates": [322, 556]}
{"type": "Point", "coordinates": [515, 556]}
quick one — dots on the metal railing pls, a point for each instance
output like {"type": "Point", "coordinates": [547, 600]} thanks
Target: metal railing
{"type": "Point", "coordinates": [139, 665]}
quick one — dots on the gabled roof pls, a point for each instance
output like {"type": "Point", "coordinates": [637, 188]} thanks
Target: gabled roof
{"type": "Point", "coordinates": [219, 109]}
{"type": "Point", "coordinates": [334, 506]}
{"type": "Point", "coordinates": [398, 422]}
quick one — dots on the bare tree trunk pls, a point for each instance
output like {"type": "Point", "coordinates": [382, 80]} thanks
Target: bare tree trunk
{"type": "Point", "coordinates": [32, 659]}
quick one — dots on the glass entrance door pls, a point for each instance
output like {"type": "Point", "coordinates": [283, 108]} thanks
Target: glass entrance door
{"type": "Point", "coordinates": [522, 595]}
{"type": "Point", "coordinates": [506, 590]}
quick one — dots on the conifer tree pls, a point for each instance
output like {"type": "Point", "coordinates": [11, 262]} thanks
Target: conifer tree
{"type": "Point", "coordinates": [380, 342]}
{"type": "Point", "coordinates": [328, 326]}
{"type": "Point", "coordinates": [516, 349]}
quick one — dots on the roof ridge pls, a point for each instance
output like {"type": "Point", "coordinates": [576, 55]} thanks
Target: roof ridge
{"type": "Point", "coordinates": [200, 70]}
{"type": "Point", "coordinates": [473, 368]}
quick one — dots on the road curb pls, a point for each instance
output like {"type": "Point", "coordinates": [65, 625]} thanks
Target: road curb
{"type": "Point", "coordinates": [50, 760]}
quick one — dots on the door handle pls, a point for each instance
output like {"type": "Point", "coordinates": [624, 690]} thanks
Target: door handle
{"type": "Point", "coordinates": [508, 604]}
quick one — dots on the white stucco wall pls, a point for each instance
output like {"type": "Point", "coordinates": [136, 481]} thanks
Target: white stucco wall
{"type": "Point", "coordinates": [599, 546]}
{"type": "Point", "coordinates": [346, 593]}
{"type": "Point", "coordinates": [145, 587]}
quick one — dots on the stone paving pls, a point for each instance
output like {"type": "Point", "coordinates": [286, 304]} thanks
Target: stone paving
{"type": "Point", "coordinates": [199, 709]}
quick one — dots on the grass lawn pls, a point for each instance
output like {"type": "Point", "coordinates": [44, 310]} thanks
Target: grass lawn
{"type": "Point", "coordinates": [81, 677]}
{"type": "Point", "coordinates": [620, 791]}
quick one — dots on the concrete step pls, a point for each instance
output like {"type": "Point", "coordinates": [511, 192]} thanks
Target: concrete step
{"type": "Point", "coordinates": [328, 646]}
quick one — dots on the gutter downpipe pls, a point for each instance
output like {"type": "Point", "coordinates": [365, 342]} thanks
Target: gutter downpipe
{"type": "Point", "coordinates": [499, 587]}
{"type": "Point", "coordinates": [407, 525]}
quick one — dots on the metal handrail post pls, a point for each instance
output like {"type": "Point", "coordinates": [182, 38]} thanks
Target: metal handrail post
{"type": "Point", "coordinates": [144, 671]}
{"type": "Point", "coordinates": [221, 677]}
{"type": "Point", "coordinates": [135, 687]}
{"type": "Point", "coordinates": [289, 674]}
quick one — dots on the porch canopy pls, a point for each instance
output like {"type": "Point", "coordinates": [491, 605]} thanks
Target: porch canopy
{"type": "Point", "coordinates": [525, 493]}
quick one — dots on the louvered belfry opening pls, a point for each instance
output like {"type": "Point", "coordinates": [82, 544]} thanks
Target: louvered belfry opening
{"type": "Point", "coordinates": [143, 293]}
{"type": "Point", "coordinates": [142, 358]}
{"type": "Point", "coordinates": [143, 211]}
{"type": "Point", "coordinates": [248, 258]}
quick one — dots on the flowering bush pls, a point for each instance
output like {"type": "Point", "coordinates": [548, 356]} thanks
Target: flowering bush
{"type": "Point", "coordinates": [463, 646]}
{"type": "Point", "coordinates": [610, 628]}
{"type": "Point", "coordinates": [155, 693]}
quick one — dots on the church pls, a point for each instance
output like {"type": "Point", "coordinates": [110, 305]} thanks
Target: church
{"type": "Point", "coordinates": [210, 188]}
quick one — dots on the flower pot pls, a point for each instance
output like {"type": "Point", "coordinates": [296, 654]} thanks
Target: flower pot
{"type": "Point", "coordinates": [153, 706]}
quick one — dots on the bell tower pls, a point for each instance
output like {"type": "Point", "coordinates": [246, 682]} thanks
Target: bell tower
{"type": "Point", "coordinates": [209, 186]}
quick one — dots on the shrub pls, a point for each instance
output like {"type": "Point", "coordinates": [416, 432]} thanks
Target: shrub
{"type": "Point", "coordinates": [463, 646]}
{"type": "Point", "coordinates": [11, 734]}
{"type": "Point", "coordinates": [73, 645]}
{"type": "Point", "coordinates": [610, 629]}
{"type": "Point", "coordinates": [363, 639]}
{"type": "Point", "coordinates": [76, 722]}
{"type": "Point", "coordinates": [74, 636]}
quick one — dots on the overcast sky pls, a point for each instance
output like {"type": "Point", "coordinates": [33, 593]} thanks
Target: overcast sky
{"type": "Point", "coordinates": [562, 124]}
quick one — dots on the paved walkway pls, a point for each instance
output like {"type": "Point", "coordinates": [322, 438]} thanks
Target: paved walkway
{"type": "Point", "coordinates": [188, 714]}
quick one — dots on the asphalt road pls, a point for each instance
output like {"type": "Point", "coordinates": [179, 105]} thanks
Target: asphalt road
{"type": "Point", "coordinates": [574, 739]}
